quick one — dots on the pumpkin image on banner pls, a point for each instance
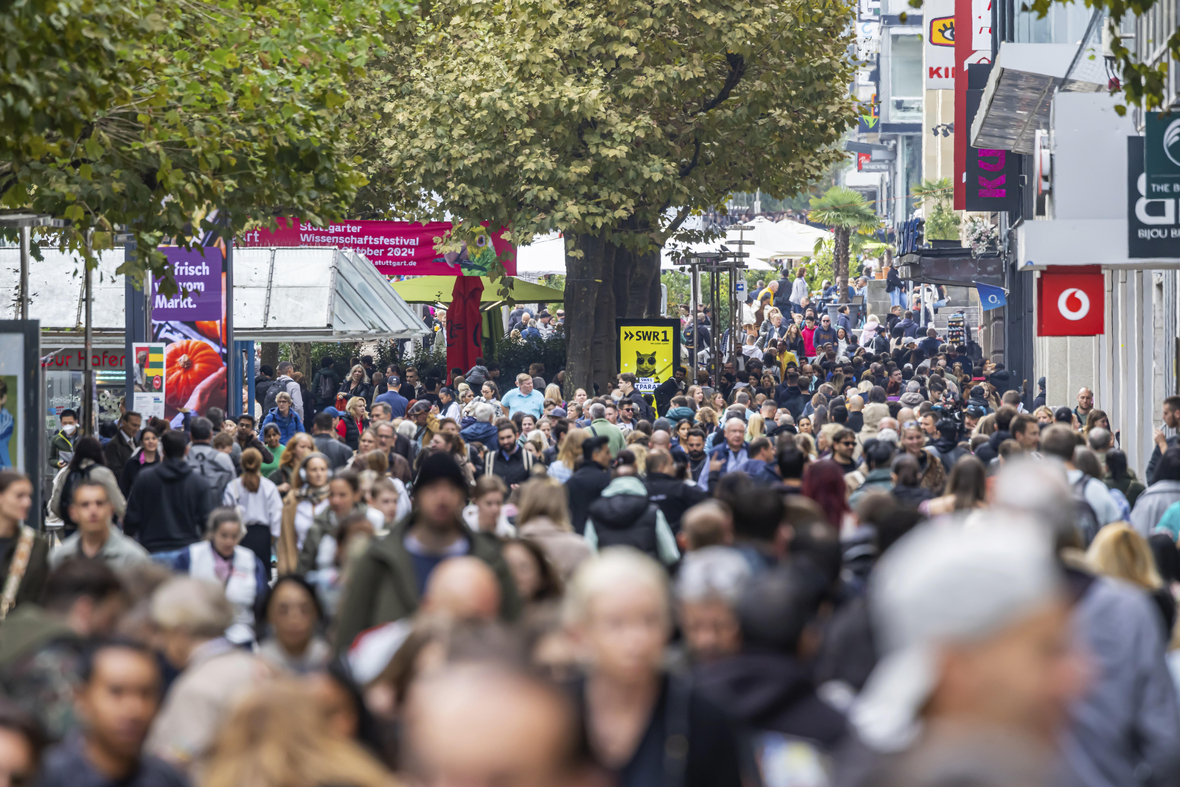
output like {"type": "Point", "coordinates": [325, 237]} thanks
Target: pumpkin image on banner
{"type": "Point", "coordinates": [214, 330]}
{"type": "Point", "coordinates": [186, 364]}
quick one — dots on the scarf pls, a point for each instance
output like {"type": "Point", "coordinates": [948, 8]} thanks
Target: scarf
{"type": "Point", "coordinates": [315, 494]}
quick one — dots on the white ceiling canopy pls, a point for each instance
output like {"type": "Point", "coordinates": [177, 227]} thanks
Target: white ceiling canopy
{"type": "Point", "coordinates": [280, 295]}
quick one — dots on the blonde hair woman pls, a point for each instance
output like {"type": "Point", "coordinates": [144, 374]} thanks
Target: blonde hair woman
{"type": "Point", "coordinates": [568, 455]}
{"type": "Point", "coordinates": [707, 417]}
{"type": "Point", "coordinates": [554, 392]}
{"type": "Point", "coordinates": [543, 516]}
{"type": "Point", "coordinates": [298, 448]}
{"type": "Point", "coordinates": [756, 428]}
{"type": "Point", "coordinates": [354, 422]}
{"type": "Point", "coordinates": [286, 736]}
{"type": "Point", "coordinates": [308, 497]}
{"type": "Point", "coordinates": [1118, 551]}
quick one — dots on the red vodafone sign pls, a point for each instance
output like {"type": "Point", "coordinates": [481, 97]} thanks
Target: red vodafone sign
{"type": "Point", "coordinates": [1071, 303]}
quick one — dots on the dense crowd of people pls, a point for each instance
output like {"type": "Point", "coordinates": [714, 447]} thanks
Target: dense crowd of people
{"type": "Point", "coordinates": [854, 560]}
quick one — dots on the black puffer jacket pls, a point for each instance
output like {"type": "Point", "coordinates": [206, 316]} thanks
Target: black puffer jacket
{"type": "Point", "coordinates": [773, 692]}
{"type": "Point", "coordinates": [626, 520]}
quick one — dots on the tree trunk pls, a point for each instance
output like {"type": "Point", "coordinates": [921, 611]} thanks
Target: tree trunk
{"type": "Point", "coordinates": [621, 281]}
{"type": "Point", "coordinates": [643, 276]}
{"type": "Point", "coordinates": [301, 358]}
{"type": "Point", "coordinates": [583, 283]}
{"type": "Point", "coordinates": [636, 275]}
{"type": "Point", "coordinates": [840, 263]}
{"type": "Point", "coordinates": [655, 292]}
{"type": "Point", "coordinates": [603, 356]}
{"type": "Point", "coordinates": [270, 354]}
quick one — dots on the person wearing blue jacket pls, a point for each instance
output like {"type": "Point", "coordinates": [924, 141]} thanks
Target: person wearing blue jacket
{"type": "Point", "coordinates": [285, 418]}
{"type": "Point", "coordinates": [727, 457]}
{"type": "Point", "coordinates": [482, 430]}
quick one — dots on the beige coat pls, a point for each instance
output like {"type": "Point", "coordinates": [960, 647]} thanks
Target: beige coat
{"type": "Point", "coordinates": [199, 703]}
{"type": "Point", "coordinates": [565, 548]}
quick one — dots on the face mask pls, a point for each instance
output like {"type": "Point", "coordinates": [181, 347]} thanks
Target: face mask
{"type": "Point", "coordinates": [69, 428]}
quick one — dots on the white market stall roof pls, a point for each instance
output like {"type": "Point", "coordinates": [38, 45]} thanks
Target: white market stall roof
{"type": "Point", "coordinates": [772, 241]}
{"type": "Point", "coordinates": [543, 257]}
{"type": "Point", "coordinates": [280, 295]}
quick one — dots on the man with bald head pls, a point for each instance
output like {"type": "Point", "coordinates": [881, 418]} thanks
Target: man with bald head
{"type": "Point", "coordinates": [663, 441]}
{"type": "Point", "coordinates": [463, 588]}
{"type": "Point", "coordinates": [1085, 405]}
{"type": "Point", "coordinates": [514, 729]}
{"type": "Point", "coordinates": [672, 495]}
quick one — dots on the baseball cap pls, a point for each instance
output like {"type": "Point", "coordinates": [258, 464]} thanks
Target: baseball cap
{"type": "Point", "coordinates": [420, 406]}
{"type": "Point", "coordinates": [975, 411]}
{"type": "Point", "coordinates": [937, 586]}
{"type": "Point", "coordinates": [1063, 415]}
{"type": "Point", "coordinates": [332, 411]}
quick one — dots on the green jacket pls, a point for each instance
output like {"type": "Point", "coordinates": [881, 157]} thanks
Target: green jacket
{"type": "Point", "coordinates": [27, 628]}
{"type": "Point", "coordinates": [604, 428]}
{"type": "Point", "coordinates": [382, 587]}
{"type": "Point", "coordinates": [57, 445]}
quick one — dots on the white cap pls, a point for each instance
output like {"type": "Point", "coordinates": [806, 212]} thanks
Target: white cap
{"type": "Point", "coordinates": [941, 585]}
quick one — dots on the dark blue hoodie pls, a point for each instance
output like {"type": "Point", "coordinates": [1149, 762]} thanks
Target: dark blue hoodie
{"type": "Point", "coordinates": [480, 432]}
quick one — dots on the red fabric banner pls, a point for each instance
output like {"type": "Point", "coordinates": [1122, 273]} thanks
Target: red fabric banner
{"type": "Point", "coordinates": [396, 248]}
{"type": "Point", "coordinates": [465, 324]}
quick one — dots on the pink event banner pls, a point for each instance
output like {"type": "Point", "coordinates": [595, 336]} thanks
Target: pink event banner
{"type": "Point", "coordinates": [396, 248]}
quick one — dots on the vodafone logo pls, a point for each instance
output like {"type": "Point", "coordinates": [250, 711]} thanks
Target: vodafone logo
{"type": "Point", "coordinates": [1063, 304]}
{"type": "Point", "coordinates": [1071, 303]}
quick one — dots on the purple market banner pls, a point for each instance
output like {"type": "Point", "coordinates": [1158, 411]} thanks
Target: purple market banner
{"type": "Point", "coordinates": [198, 279]}
{"type": "Point", "coordinates": [192, 326]}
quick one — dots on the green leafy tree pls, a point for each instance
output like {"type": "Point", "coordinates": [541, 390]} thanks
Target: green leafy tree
{"type": "Point", "coordinates": [942, 223]}
{"type": "Point", "coordinates": [611, 122]}
{"type": "Point", "coordinates": [846, 212]}
{"type": "Point", "coordinates": [148, 114]}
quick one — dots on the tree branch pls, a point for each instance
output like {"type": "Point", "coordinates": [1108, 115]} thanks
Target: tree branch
{"type": "Point", "coordinates": [737, 69]}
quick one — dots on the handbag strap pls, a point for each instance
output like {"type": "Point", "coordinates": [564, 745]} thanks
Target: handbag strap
{"type": "Point", "coordinates": [676, 731]}
{"type": "Point", "coordinates": [16, 570]}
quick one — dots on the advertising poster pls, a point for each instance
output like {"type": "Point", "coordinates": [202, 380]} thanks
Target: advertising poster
{"type": "Point", "coordinates": [150, 384]}
{"type": "Point", "coordinates": [1163, 154]}
{"type": "Point", "coordinates": [190, 324]}
{"type": "Point", "coordinates": [12, 400]}
{"type": "Point", "coordinates": [939, 18]}
{"type": "Point", "coordinates": [648, 349]}
{"type": "Point", "coordinates": [396, 248]}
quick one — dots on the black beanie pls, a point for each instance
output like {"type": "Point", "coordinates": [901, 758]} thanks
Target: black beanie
{"type": "Point", "coordinates": [440, 466]}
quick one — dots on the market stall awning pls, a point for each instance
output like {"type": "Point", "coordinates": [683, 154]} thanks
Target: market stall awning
{"type": "Point", "coordinates": [438, 289]}
{"type": "Point", "coordinates": [280, 295]}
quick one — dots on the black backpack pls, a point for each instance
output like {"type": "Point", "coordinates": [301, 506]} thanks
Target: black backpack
{"type": "Point", "coordinates": [325, 389]}
{"type": "Point", "coordinates": [73, 478]}
{"type": "Point", "coordinates": [272, 394]}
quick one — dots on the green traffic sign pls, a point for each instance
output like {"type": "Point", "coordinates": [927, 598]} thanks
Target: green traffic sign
{"type": "Point", "coordinates": [1163, 155]}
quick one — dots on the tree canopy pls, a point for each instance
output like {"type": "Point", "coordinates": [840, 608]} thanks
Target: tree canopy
{"type": "Point", "coordinates": [145, 114]}
{"type": "Point", "coordinates": [609, 121]}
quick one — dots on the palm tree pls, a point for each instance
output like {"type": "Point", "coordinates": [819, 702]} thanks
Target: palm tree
{"type": "Point", "coordinates": [845, 211]}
